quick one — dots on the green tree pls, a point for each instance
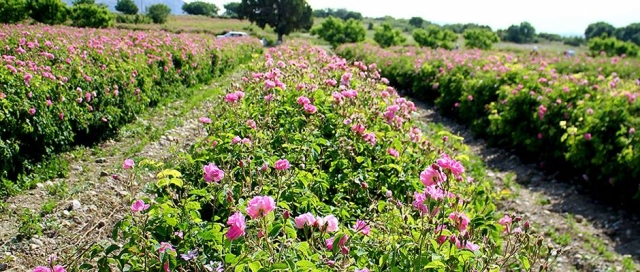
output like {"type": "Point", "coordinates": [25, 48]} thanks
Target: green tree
{"type": "Point", "coordinates": [79, 2]}
{"type": "Point", "coordinates": [284, 16]}
{"type": "Point", "coordinates": [598, 29]}
{"type": "Point", "coordinates": [200, 8]}
{"type": "Point", "coordinates": [159, 13]}
{"type": "Point", "coordinates": [92, 15]}
{"type": "Point", "coordinates": [416, 22]}
{"type": "Point", "coordinates": [51, 12]}
{"type": "Point", "coordinates": [370, 26]}
{"type": "Point", "coordinates": [551, 37]}
{"type": "Point", "coordinates": [337, 32]}
{"type": "Point", "coordinates": [523, 33]}
{"type": "Point", "coordinates": [231, 9]}
{"type": "Point", "coordinates": [127, 7]}
{"type": "Point", "coordinates": [629, 33]}
{"type": "Point", "coordinates": [385, 35]}
{"type": "Point", "coordinates": [480, 38]}
{"type": "Point", "coordinates": [435, 37]}
{"type": "Point", "coordinates": [13, 11]}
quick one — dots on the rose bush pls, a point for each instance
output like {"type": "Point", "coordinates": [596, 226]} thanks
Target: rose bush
{"type": "Point", "coordinates": [60, 86]}
{"type": "Point", "coordinates": [354, 185]}
{"type": "Point", "coordinates": [576, 114]}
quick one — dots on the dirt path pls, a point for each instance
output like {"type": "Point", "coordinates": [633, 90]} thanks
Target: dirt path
{"type": "Point", "coordinates": [594, 237]}
{"type": "Point", "coordinates": [86, 205]}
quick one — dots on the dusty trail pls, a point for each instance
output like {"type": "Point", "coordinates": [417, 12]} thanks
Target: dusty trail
{"type": "Point", "coordinates": [594, 237]}
{"type": "Point", "coordinates": [91, 200]}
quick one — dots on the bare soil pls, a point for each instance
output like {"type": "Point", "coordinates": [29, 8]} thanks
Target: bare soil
{"type": "Point", "coordinates": [594, 237]}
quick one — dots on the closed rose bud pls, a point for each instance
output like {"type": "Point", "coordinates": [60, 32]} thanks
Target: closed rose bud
{"type": "Point", "coordinates": [229, 196]}
{"type": "Point", "coordinates": [364, 185]}
{"type": "Point", "coordinates": [526, 224]}
{"type": "Point", "coordinates": [261, 234]}
{"type": "Point", "coordinates": [286, 214]}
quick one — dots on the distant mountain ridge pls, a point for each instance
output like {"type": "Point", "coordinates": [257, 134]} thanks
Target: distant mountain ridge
{"type": "Point", "coordinates": [174, 5]}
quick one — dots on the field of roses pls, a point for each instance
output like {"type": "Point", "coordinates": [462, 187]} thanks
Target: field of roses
{"type": "Point", "coordinates": [313, 163]}
{"type": "Point", "coordinates": [61, 86]}
{"type": "Point", "coordinates": [564, 113]}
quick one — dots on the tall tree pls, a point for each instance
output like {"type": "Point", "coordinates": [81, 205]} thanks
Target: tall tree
{"type": "Point", "coordinates": [416, 22]}
{"type": "Point", "coordinates": [285, 16]}
{"type": "Point", "coordinates": [231, 9]}
{"type": "Point", "coordinates": [127, 7]}
{"type": "Point", "coordinates": [598, 29]}
{"type": "Point", "coordinates": [200, 8]}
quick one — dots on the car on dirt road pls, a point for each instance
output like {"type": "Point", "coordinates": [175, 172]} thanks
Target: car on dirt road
{"type": "Point", "coordinates": [233, 34]}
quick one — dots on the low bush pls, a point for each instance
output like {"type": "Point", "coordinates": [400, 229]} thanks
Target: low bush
{"type": "Point", "coordinates": [581, 122]}
{"type": "Point", "coordinates": [312, 163]}
{"type": "Point", "coordinates": [61, 86]}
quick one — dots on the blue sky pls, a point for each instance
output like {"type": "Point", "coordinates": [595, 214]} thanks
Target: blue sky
{"type": "Point", "coordinates": [565, 17]}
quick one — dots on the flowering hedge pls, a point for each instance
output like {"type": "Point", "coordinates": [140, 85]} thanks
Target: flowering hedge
{"type": "Point", "coordinates": [62, 85]}
{"type": "Point", "coordinates": [583, 119]}
{"type": "Point", "coordinates": [312, 163]}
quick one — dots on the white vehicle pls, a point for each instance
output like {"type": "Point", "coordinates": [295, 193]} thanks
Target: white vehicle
{"type": "Point", "coordinates": [233, 34]}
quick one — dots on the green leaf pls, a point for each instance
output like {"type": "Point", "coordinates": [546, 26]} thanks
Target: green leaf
{"type": "Point", "coordinates": [239, 268]}
{"type": "Point", "coordinates": [291, 232]}
{"type": "Point", "coordinates": [275, 230]}
{"type": "Point", "coordinates": [525, 262]}
{"type": "Point", "coordinates": [171, 221]}
{"type": "Point", "coordinates": [177, 182]}
{"type": "Point", "coordinates": [336, 241]}
{"type": "Point", "coordinates": [381, 205]}
{"type": "Point", "coordinates": [114, 232]}
{"type": "Point", "coordinates": [229, 258]}
{"type": "Point", "coordinates": [85, 266]}
{"type": "Point", "coordinates": [111, 248]}
{"type": "Point", "coordinates": [163, 182]}
{"type": "Point", "coordinates": [435, 264]}
{"type": "Point", "coordinates": [305, 264]}
{"type": "Point", "coordinates": [169, 172]}
{"type": "Point", "coordinates": [255, 266]}
{"type": "Point", "coordinates": [279, 266]}
{"type": "Point", "coordinates": [360, 159]}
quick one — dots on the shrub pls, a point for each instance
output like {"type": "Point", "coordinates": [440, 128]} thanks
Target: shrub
{"type": "Point", "coordinates": [200, 8]}
{"type": "Point", "coordinates": [13, 11]}
{"type": "Point", "coordinates": [304, 173]}
{"type": "Point", "coordinates": [126, 7]}
{"type": "Point", "coordinates": [337, 32]}
{"type": "Point", "coordinates": [574, 41]}
{"type": "Point", "coordinates": [480, 38]}
{"type": "Point", "coordinates": [91, 15]}
{"type": "Point", "coordinates": [94, 85]}
{"type": "Point", "coordinates": [133, 19]}
{"type": "Point", "coordinates": [435, 37]}
{"type": "Point", "coordinates": [577, 115]}
{"type": "Point", "coordinates": [385, 35]}
{"type": "Point", "coordinates": [159, 13]}
{"type": "Point", "coordinates": [612, 47]}
{"type": "Point", "coordinates": [51, 12]}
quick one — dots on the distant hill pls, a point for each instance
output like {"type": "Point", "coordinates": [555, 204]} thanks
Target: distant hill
{"type": "Point", "coordinates": [175, 5]}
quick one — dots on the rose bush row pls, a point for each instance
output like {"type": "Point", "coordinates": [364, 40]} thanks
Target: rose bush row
{"type": "Point", "coordinates": [313, 163]}
{"type": "Point", "coordinates": [60, 85]}
{"type": "Point", "coordinates": [582, 121]}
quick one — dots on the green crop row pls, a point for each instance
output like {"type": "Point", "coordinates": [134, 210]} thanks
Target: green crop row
{"type": "Point", "coordinates": [581, 122]}
{"type": "Point", "coordinates": [312, 163]}
{"type": "Point", "coordinates": [61, 86]}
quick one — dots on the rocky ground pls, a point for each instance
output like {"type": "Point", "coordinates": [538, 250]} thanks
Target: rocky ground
{"type": "Point", "coordinates": [97, 193]}
{"type": "Point", "coordinates": [593, 237]}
